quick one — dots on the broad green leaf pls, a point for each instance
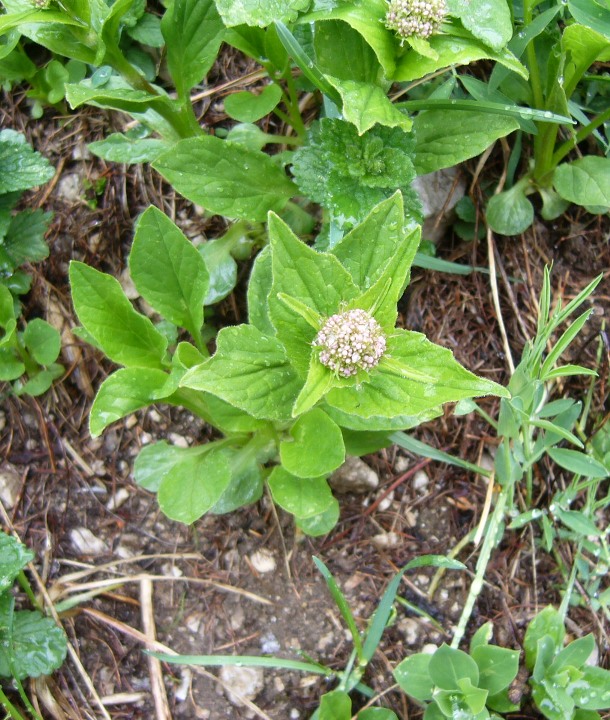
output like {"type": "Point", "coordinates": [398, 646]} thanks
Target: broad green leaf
{"type": "Point", "coordinates": [448, 666]}
{"type": "Point", "coordinates": [20, 166]}
{"type": "Point", "coordinates": [154, 462]}
{"type": "Point", "coordinates": [225, 417]}
{"type": "Point", "coordinates": [225, 178]}
{"type": "Point", "coordinates": [303, 497]}
{"type": "Point", "coordinates": [579, 522]}
{"type": "Point", "coordinates": [37, 383]}
{"type": "Point", "coordinates": [591, 13]}
{"type": "Point", "coordinates": [592, 692]}
{"type": "Point", "coordinates": [31, 646]}
{"type": "Point", "coordinates": [375, 713]}
{"type": "Point", "coordinates": [344, 54]}
{"type": "Point", "coordinates": [482, 637]}
{"type": "Point", "coordinates": [124, 392]}
{"type": "Point", "coordinates": [124, 335]}
{"type": "Point", "coordinates": [440, 379]}
{"type": "Point", "coordinates": [413, 676]}
{"type": "Point", "coordinates": [451, 51]}
{"type": "Point", "coordinates": [11, 367]}
{"type": "Point", "coordinates": [549, 623]}
{"type": "Point", "coordinates": [364, 443]}
{"type": "Point", "coordinates": [446, 139]}
{"type": "Point", "coordinates": [42, 340]}
{"type": "Point", "coordinates": [510, 212]}
{"type": "Point", "coordinates": [14, 556]}
{"type": "Point", "coordinates": [365, 260]}
{"type": "Point", "coordinates": [498, 667]}
{"type": "Point", "coordinates": [259, 287]}
{"type": "Point", "coordinates": [246, 484]}
{"type": "Point", "coordinates": [194, 484]}
{"type": "Point", "coordinates": [316, 447]}
{"type": "Point", "coordinates": [575, 654]}
{"type": "Point", "coordinates": [578, 462]}
{"type": "Point", "coordinates": [259, 12]}
{"type": "Point", "coordinates": [368, 18]}
{"type": "Point", "coordinates": [248, 107]}
{"type": "Point", "coordinates": [320, 524]}
{"type": "Point", "coordinates": [250, 371]}
{"type": "Point", "coordinates": [488, 20]}
{"type": "Point", "coordinates": [24, 239]}
{"type": "Point", "coordinates": [365, 105]}
{"type": "Point", "coordinates": [221, 266]}
{"type": "Point", "coordinates": [193, 32]}
{"type": "Point", "coordinates": [335, 705]}
{"type": "Point", "coordinates": [147, 31]}
{"type": "Point", "coordinates": [123, 149]}
{"type": "Point", "coordinates": [316, 279]}
{"type": "Point", "coordinates": [380, 422]}
{"type": "Point", "coordinates": [585, 181]}
{"type": "Point", "coordinates": [582, 46]}
{"type": "Point", "coordinates": [168, 271]}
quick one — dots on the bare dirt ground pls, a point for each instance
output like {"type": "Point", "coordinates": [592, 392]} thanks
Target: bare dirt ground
{"type": "Point", "coordinates": [245, 583]}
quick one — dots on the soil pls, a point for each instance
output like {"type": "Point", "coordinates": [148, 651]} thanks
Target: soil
{"type": "Point", "coordinates": [245, 583]}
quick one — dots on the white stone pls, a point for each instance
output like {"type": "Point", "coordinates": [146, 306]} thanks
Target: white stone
{"type": "Point", "coordinates": [383, 541]}
{"type": "Point", "coordinates": [263, 561]}
{"type": "Point", "coordinates": [10, 485]}
{"type": "Point", "coordinates": [120, 497]}
{"type": "Point", "coordinates": [429, 648]}
{"type": "Point", "coordinates": [354, 476]}
{"type": "Point", "coordinates": [178, 440]}
{"type": "Point", "coordinates": [128, 285]}
{"type": "Point", "coordinates": [69, 187]}
{"type": "Point", "coordinates": [182, 691]}
{"type": "Point", "coordinates": [386, 503]}
{"type": "Point", "coordinates": [439, 192]}
{"type": "Point", "coordinates": [86, 543]}
{"type": "Point", "coordinates": [409, 627]}
{"type": "Point", "coordinates": [401, 464]}
{"type": "Point", "coordinates": [245, 683]}
{"type": "Point", "coordinates": [420, 481]}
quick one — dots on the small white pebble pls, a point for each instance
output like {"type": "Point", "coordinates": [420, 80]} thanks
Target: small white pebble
{"type": "Point", "coordinates": [263, 561]}
{"type": "Point", "coordinates": [420, 481]}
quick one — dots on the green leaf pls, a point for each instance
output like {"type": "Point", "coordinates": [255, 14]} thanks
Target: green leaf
{"type": "Point", "coordinates": [344, 54]}
{"type": "Point", "coordinates": [316, 448]}
{"type": "Point", "coordinates": [584, 181]}
{"type": "Point", "coordinates": [24, 239]}
{"type": "Point", "coordinates": [451, 51]}
{"type": "Point", "coordinates": [124, 392]}
{"type": "Point", "coordinates": [303, 497]}
{"type": "Point", "coordinates": [42, 340]}
{"type": "Point", "coordinates": [350, 173]}
{"type": "Point", "coordinates": [317, 280]}
{"type": "Point", "coordinates": [154, 462]}
{"type": "Point", "coordinates": [168, 271]}
{"type": "Point", "coordinates": [448, 666]}
{"type": "Point", "coordinates": [14, 556]}
{"type": "Point", "coordinates": [413, 676]}
{"type": "Point", "coordinates": [578, 522]}
{"type": "Point", "coordinates": [592, 691]}
{"type": "Point", "coordinates": [498, 667]}
{"type": "Point", "coordinates": [246, 484]}
{"type": "Point", "coordinates": [578, 463]}
{"type": "Point", "coordinates": [575, 654]}
{"type": "Point", "coordinates": [259, 287]}
{"type": "Point", "coordinates": [250, 371]}
{"type": "Point", "coordinates": [123, 149]}
{"type": "Point", "coordinates": [226, 178]}
{"type": "Point", "coordinates": [488, 20]}
{"type": "Point", "coordinates": [335, 705]}
{"type": "Point", "coordinates": [365, 105]}
{"type": "Point", "coordinates": [320, 524]}
{"type": "Point", "coordinates": [20, 166]}
{"type": "Point", "coordinates": [193, 32]}
{"type": "Point", "coordinates": [549, 623]}
{"type": "Point", "coordinates": [386, 391]}
{"type": "Point", "coordinates": [31, 645]}
{"type": "Point", "coordinates": [115, 95]}
{"type": "Point", "coordinates": [365, 260]}
{"type": "Point", "coordinates": [147, 31]}
{"type": "Point", "coordinates": [194, 484]}
{"type": "Point", "coordinates": [440, 144]}
{"type": "Point", "coordinates": [248, 107]}
{"type": "Point", "coordinates": [482, 637]}
{"type": "Point", "coordinates": [375, 713]}
{"type": "Point", "coordinates": [124, 335]}
{"type": "Point", "coordinates": [37, 383]}
{"type": "Point", "coordinates": [255, 12]}
{"type": "Point", "coordinates": [221, 267]}
{"type": "Point", "coordinates": [592, 14]}
{"type": "Point", "coordinates": [11, 367]}
{"type": "Point", "coordinates": [510, 212]}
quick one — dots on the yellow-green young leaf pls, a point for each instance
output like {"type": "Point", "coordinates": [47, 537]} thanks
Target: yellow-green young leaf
{"type": "Point", "coordinates": [168, 271]}
{"type": "Point", "coordinates": [226, 178]}
{"type": "Point", "coordinates": [193, 32]}
{"type": "Point", "coordinates": [124, 392]}
{"type": "Point", "coordinates": [488, 20]}
{"type": "Point", "coordinates": [498, 667]}
{"type": "Point", "coordinates": [448, 666]}
{"type": "Point", "coordinates": [124, 335]}
{"type": "Point", "coordinates": [250, 371]}
{"type": "Point", "coordinates": [547, 622]}
{"type": "Point", "coordinates": [335, 705]}
{"type": "Point", "coordinates": [316, 447]}
{"type": "Point", "coordinates": [303, 497]}
{"type": "Point", "coordinates": [397, 389]}
{"type": "Point", "coordinates": [194, 484]}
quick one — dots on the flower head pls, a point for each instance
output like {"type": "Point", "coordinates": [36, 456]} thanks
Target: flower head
{"type": "Point", "coordinates": [415, 18]}
{"type": "Point", "coordinates": [350, 341]}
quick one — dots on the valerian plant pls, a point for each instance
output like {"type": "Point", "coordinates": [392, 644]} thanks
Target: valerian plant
{"type": "Point", "coordinates": [319, 372]}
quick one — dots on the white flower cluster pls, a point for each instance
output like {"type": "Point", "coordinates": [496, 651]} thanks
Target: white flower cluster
{"type": "Point", "coordinates": [350, 341]}
{"type": "Point", "coordinates": [419, 18]}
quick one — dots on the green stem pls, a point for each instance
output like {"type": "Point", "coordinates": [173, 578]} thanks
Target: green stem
{"type": "Point", "coordinates": [25, 699]}
{"type": "Point", "coordinates": [293, 106]}
{"type": "Point", "coordinates": [489, 544]}
{"type": "Point", "coordinates": [7, 705]}
{"type": "Point", "coordinates": [578, 137]}
{"type": "Point", "coordinates": [24, 583]}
